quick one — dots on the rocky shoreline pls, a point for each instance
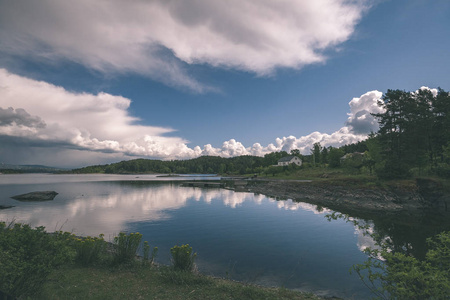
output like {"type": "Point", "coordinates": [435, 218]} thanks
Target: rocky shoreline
{"type": "Point", "coordinates": [425, 195]}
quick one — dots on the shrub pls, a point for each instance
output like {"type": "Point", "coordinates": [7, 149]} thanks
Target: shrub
{"type": "Point", "coordinates": [183, 258]}
{"type": "Point", "coordinates": [147, 257]}
{"type": "Point", "coordinates": [126, 246]}
{"type": "Point", "coordinates": [27, 257]}
{"type": "Point", "coordinates": [402, 276]}
{"type": "Point", "coordinates": [88, 249]}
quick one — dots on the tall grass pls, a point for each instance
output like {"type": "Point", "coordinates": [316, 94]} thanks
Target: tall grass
{"type": "Point", "coordinates": [89, 249]}
{"type": "Point", "coordinates": [183, 258]}
{"type": "Point", "coordinates": [126, 246]}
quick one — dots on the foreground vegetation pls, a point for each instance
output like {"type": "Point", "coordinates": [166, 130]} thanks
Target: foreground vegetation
{"type": "Point", "coordinates": [396, 274]}
{"type": "Point", "coordinates": [41, 265]}
{"type": "Point", "coordinates": [59, 265]}
{"type": "Point", "coordinates": [396, 269]}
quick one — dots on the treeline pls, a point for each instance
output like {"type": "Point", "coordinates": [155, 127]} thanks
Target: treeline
{"type": "Point", "coordinates": [413, 139]}
{"type": "Point", "coordinates": [238, 165]}
{"type": "Point", "coordinates": [200, 165]}
{"type": "Point", "coordinates": [414, 134]}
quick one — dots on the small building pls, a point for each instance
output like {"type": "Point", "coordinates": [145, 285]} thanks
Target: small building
{"type": "Point", "coordinates": [287, 160]}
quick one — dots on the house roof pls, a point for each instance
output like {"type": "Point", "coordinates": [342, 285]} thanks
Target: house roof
{"type": "Point", "coordinates": [286, 158]}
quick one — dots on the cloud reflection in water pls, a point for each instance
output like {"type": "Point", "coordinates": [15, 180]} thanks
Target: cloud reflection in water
{"type": "Point", "coordinates": [111, 207]}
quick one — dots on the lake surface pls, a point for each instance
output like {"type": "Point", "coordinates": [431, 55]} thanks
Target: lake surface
{"type": "Point", "coordinates": [242, 236]}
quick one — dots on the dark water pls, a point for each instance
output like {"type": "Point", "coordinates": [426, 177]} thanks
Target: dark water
{"type": "Point", "coordinates": [247, 237]}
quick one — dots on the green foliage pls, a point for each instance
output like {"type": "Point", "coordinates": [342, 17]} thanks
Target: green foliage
{"type": "Point", "coordinates": [27, 256]}
{"type": "Point", "coordinates": [206, 164]}
{"type": "Point", "coordinates": [315, 152]}
{"type": "Point", "coordinates": [413, 130]}
{"type": "Point", "coordinates": [183, 258]}
{"type": "Point", "coordinates": [273, 170]}
{"type": "Point", "coordinates": [396, 275]}
{"type": "Point", "coordinates": [353, 162]}
{"type": "Point", "coordinates": [149, 257]}
{"type": "Point", "coordinates": [89, 249]}
{"type": "Point", "coordinates": [443, 169]}
{"type": "Point", "coordinates": [334, 157]}
{"type": "Point", "coordinates": [324, 155]}
{"type": "Point", "coordinates": [295, 152]}
{"type": "Point", "coordinates": [126, 246]}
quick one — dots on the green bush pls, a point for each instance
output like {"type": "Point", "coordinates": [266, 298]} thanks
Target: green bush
{"type": "Point", "coordinates": [395, 275]}
{"type": "Point", "coordinates": [88, 249]}
{"type": "Point", "coordinates": [149, 258]}
{"type": "Point", "coordinates": [443, 171]}
{"type": "Point", "coordinates": [183, 258]}
{"type": "Point", "coordinates": [126, 246]}
{"type": "Point", "coordinates": [28, 256]}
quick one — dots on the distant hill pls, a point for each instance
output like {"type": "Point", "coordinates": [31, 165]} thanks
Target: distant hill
{"type": "Point", "coordinates": [11, 169]}
{"type": "Point", "coordinates": [245, 164]}
{"type": "Point", "coordinates": [201, 165]}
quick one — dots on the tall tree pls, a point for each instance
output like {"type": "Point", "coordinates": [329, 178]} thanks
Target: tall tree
{"type": "Point", "coordinates": [413, 129]}
{"type": "Point", "coordinates": [315, 151]}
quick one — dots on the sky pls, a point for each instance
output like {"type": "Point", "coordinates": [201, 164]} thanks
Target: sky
{"type": "Point", "coordinates": [94, 82]}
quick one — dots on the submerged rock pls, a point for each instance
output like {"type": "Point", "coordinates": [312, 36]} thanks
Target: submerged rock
{"type": "Point", "coordinates": [5, 206]}
{"type": "Point", "coordinates": [36, 196]}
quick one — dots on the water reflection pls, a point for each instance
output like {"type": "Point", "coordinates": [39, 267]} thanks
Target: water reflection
{"type": "Point", "coordinates": [251, 237]}
{"type": "Point", "coordinates": [111, 205]}
{"type": "Point", "coordinates": [404, 233]}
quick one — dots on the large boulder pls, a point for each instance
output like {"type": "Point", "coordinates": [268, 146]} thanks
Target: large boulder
{"type": "Point", "coordinates": [36, 196]}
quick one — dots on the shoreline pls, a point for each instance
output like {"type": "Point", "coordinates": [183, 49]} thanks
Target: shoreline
{"type": "Point", "coordinates": [424, 197]}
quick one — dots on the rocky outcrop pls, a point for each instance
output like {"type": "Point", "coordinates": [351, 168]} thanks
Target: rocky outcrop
{"type": "Point", "coordinates": [433, 194]}
{"type": "Point", "coordinates": [36, 196]}
{"type": "Point", "coordinates": [387, 200]}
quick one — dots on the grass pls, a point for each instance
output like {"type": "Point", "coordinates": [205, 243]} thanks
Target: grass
{"type": "Point", "coordinates": [342, 177]}
{"type": "Point", "coordinates": [162, 282]}
{"type": "Point", "coordinates": [325, 175]}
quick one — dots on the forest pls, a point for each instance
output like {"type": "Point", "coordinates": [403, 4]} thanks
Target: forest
{"type": "Point", "coordinates": [413, 140]}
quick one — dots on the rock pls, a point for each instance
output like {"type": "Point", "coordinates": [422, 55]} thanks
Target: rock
{"type": "Point", "coordinates": [36, 196]}
{"type": "Point", "coordinates": [5, 206]}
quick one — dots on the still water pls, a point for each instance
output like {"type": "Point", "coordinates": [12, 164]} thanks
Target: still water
{"type": "Point", "coordinates": [242, 236]}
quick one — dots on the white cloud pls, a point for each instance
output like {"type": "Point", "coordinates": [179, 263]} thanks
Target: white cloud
{"type": "Point", "coordinates": [433, 91]}
{"type": "Point", "coordinates": [39, 115]}
{"type": "Point", "coordinates": [79, 121]}
{"type": "Point", "coordinates": [359, 124]}
{"type": "Point", "coordinates": [360, 119]}
{"type": "Point", "coordinates": [154, 38]}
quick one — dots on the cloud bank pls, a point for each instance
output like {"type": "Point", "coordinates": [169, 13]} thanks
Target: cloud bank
{"type": "Point", "coordinates": [157, 38]}
{"type": "Point", "coordinates": [40, 115]}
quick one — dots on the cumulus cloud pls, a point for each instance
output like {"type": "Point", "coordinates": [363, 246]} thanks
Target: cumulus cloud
{"type": "Point", "coordinates": [360, 119]}
{"type": "Point", "coordinates": [156, 38]}
{"type": "Point", "coordinates": [434, 92]}
{"type": "Point", "coordinates": [19, 117]}
{"type": "Point", "coordinates": [88, 123]}
{"type": "Point", "coordinates": [359, 124]}
{"type": "Point", "coordinates": [44, 114]}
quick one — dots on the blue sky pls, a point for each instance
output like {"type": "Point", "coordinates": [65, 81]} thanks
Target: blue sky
{"type": "Point", "coordinates": [84, 83]}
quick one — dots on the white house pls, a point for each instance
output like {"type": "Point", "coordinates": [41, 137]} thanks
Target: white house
{"type": "Point", "coordinates": [287, 160]}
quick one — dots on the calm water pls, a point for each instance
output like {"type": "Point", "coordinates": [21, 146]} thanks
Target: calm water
{"type": "Point", "coordinates": [247, 237]}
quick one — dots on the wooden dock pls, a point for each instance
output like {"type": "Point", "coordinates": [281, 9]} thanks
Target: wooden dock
{"type": "Point", "coordinates": [204, 184]}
